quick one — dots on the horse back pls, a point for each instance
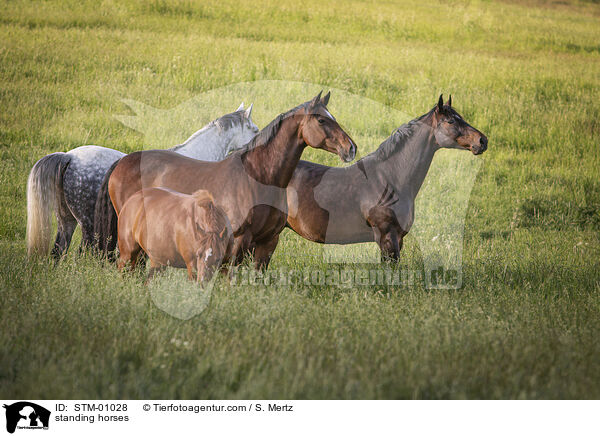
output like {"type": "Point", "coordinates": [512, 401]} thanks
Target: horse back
{"type": "Point", "coordinates": [156, 168]}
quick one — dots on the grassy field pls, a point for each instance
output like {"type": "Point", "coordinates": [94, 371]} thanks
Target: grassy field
{"type": "Point", "coordinates": [525, 323]}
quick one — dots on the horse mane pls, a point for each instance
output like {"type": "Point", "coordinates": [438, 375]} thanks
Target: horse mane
{"type": "Point", "coordinates": [215, 219]}
{"type": "Point", "coordinates": [267, 134]}
{"type": "Point", "coordinates": [202, 195]}
{"type": "Point", "coordinates": [397, 140]}
{"type": "Point", "coordinates": [224, 123]}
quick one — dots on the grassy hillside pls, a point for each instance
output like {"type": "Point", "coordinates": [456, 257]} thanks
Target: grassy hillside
{"type": "Point", "coordinates": [525, 323]}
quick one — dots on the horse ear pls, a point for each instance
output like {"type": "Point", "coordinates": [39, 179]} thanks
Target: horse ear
{"type": "Point", "coordinates": [440, 104]}
{"type": "Point", "coordinates": [241, 108]}
{"type": "Point", "coordinates": [315, 100]}
{"type": "Point", "coordinates": [249, 111]}
{"type": "Point", "coordinates": [450, 101]}
{"type": "Point", "coordinates": [325, 99]}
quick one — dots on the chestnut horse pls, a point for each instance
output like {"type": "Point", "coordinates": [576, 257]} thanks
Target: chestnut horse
{"type": "Point", "coordinates": [174, 229]}
{"type": "Point", "coordinates": [248, 185]}
{"type": "Point", "coordinates": [374, 199]}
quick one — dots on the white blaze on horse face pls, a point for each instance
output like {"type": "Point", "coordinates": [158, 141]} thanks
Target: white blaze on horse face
{"type": "Point", "coordinates": [207, 254]}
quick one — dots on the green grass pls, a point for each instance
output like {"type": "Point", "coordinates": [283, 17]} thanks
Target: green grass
{"type": "Point", "coordinates": [525, 323]}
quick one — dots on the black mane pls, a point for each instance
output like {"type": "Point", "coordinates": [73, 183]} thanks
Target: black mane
{"type": "Point", "coordinates": [398, 138]}
{"type": "Point", "coordinates": [267, 134]}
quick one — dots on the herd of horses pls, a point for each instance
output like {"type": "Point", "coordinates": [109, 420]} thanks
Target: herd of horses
{"type": "Point", "coordinates": [230, 190]}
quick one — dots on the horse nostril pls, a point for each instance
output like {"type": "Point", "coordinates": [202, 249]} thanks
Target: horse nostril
{"type": "Point", "coordinates": [352, 150]}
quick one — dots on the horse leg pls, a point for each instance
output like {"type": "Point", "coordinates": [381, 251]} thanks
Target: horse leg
{"type": "Point", "coordinates": [129, 250]}
{"type": "Point", "coordinates": [79, 192]}
{"type": "Point", "coordinates": [84, 214]}
{"type": "Point", "coordinates": [387, 232]}
{"type": "Point", "coordinates": [241, 247]}
{"type": "Point", "coordinates": [134, 256]}
{"type": "Point", "coordinates": [263, 253]}
{"type": "Point", "coordinates": [190, 270]}
{"type": "Point", "coordinates": [66, 227]}
{"type": "Point", "coordinates": [129, 256]}
{"type": "Point", "coordinates": [141, 259]}
{"type": "Point", "coordinates": [87, 236]}
{"type": "Point", "coordinates": [154, 269]}
{"type": "Point", "coordinates": [390, 245]}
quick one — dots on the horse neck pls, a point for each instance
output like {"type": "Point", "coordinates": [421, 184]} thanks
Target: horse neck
{"type": "Point", "coordinates": [274, 163]}
{"type": "Point", "coordinates": [406, 169]}
{"type": "Point", "coordinates": [208, 143]}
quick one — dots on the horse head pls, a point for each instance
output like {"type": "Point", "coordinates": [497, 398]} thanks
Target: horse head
{"type": "Point", "coordinates": [319, 129]}
{"type": "Point", "coordinates": [241, 121]}
{"type": "Point", "coordinates": [452, 131]}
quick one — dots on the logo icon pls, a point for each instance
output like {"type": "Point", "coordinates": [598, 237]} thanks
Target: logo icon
{"type": "Point", "coordinates": [26, 415]}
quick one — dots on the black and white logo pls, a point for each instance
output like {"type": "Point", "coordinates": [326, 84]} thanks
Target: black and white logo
{"type": "Point", "coordinates": [26, 415]}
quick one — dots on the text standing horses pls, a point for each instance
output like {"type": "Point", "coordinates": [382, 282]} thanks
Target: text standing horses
{"type": "Point", "coordinates": [69, 182]}
{"type": "Point", "coordinates": [174, 229]}
{"type": "Point", "coordinates": [373, 200]}
{"type": "Point", "coordinates": [249, 185]}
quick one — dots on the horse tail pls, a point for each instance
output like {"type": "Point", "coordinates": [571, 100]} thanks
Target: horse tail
{"type": "Point", "coordinates": [44, 191]}
{"type": "Point", "coordinates": [105, 218]}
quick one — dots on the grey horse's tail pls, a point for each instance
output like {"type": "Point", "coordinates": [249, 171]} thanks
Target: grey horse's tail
{"type": "Point", "coordinates": [44, 195]}
{"type": "Point", "coordinates": [105, 219]}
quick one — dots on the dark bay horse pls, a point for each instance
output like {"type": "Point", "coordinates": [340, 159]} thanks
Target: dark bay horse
{"type": "Point", "coordinates": [174, 229]}
{"type": "Point", "coordinates": [374, 199]}
{"type": "Point", "coordinates": [249, 185]}
{"type": "Point", "coordinates": [69, 182]}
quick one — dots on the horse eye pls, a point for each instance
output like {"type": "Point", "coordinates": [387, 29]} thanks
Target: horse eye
{"type": "Point", "coordinates": [321, 120]}
{"type": "Point", "coordinates": [450, 121]}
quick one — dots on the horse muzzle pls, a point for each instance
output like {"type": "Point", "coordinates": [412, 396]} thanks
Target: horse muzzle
{"type": "Point", "coordinates": [350, 154]}
{"type": "Point", "coordinates": [481, 147]}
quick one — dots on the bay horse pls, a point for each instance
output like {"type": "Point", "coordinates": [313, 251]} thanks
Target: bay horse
{"type": "Point", "coordinates": [69, 182]}
{"type": "Point", "coordinates": [248, 185]}
{"type": "Point", "coordinates": [374, 199]}
{"type": "Point", "coordinates": [174, 229]}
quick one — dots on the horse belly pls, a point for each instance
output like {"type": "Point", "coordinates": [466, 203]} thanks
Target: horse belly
{"type": "Point", "coordinates": [163, 223]}
{"type": "Point", "coordinates": [158, 241]}
{"type": "Point", "coordinates": [266, 222]}
{"type": "Point", "coordinates": [168, 258]}
{"type": "Point", "coordinates": [350, 228]}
